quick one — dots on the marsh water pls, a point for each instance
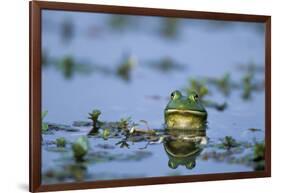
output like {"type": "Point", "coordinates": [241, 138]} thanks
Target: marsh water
{"type": "Point", "coordinates": [84, 68]}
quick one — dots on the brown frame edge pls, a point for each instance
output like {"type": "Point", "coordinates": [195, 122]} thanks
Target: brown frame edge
{"type": "Point", "coordinates": [35, 8]}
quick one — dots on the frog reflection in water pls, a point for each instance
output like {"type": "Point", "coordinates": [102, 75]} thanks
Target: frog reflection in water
{"type": "Point", "coordinates": [184, 146]}
{"type": "Point", "coordinates": [185, 112]}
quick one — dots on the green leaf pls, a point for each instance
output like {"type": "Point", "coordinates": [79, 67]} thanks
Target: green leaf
{"type": "Point", "coordinates": [44, 114]}
{"type": "Point", "coordinates": [44, 127]}
{"type": "Point", "coordinates": [60, 142]}
{"type": "Point", "coordinates": [80, 148]}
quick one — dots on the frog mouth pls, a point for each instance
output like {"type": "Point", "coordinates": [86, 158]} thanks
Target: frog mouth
{"type": "Point", "coordinates": [181, 111]}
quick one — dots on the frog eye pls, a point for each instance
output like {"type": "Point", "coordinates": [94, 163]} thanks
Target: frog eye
{"type": "Point", "coordinates": [193, 96]}
{"type": "Point", "coordinates": [172, 95]}
{"type": "Point", "coordinates": [172, 164]}
{"type": "Point", "coordinates": [175, 95]}
{"type": "Point", "coordinates": [190, 165]}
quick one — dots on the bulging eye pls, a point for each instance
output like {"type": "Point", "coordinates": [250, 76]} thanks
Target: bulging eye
{"type": "Point", "coordinates": [172, 95]}
{"type": "Point", "coordinates": [196, 97]}
{"type": "Point", "coordinates": [175, 95]}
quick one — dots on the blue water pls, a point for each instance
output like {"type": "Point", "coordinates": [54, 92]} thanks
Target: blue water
{"type": "Point", "coordinates": [205, 49]}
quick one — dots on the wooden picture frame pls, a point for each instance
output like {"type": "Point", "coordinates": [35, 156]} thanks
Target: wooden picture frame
{"type": "Point", "coordinates": [36, 8]}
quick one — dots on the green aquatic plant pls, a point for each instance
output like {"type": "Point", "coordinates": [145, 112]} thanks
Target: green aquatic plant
{"type": "Point", "coordinates": [254, 129]}
{"type": "Point", "coordinates": [46, 59]}
{"type": "Point", "coordinates": [122, 22]}
{"type": "Point", "coordinates": [67, 30]}
{"type": "Point", "coordinates": [80, 148]}
{"type": "Point", "coordinates": [138, 131]}
{"type": "Point", "coordinates": [247, 86]}
{"type": "Point", "coordinates": [123, 143]}
{"type": "Point", "coordinates": [94, 116]}
{"type": "Point", "coordinates": [69, 66]}
{"type": "Point", "coordinates": [170, 28]}
{"type": "Point", "coordinates": [125, 68]}
{"type": "Point", "coordinates": [44, 126]}
{"type": "Point", "coordinates": [198, 86]}
{"type": "Point", "coordinates": [228, 142]}
{"type": "Point", "coordinates": [60, 142]}
{"type": "Point", "coordinates": [123, 123]}
{"type": "Point", "coordinates": [259, 150]}
{"type": "Point", "coordinates": [145, 122]}
{"type": "Point", "coordinates": [166, 64]}
{"type": "Point", "coordinates": [224, 84]}
{"type": "Point", "coordinates": [251, 67]}
{"type": "Point", "coordinates": [213, 104]}
{"type": "Point", "coordinates": [106, 133]}
{"type": "Point", "coordinates": [259, 156]}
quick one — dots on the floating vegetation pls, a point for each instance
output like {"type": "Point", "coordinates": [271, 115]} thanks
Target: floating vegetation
{"type": "Point", "coordinates": [251, 67]}
{"type": "Point", "coordinates": [67, 30]}
{"type": "Point", "coordinates": [94, 116]}
{"type": "Point", "coordinates": [170, 28]}
{"type": "Point", "coordinates": [166, 64]}
{"type": "Point", "coordinates": [122, 22]}
{"type": "Point", "coordinates": [106, 133]}
{"type": "Point", "coordinates": [61, 127]}
{"type": "Point", "coordinates": [228, 143]}
{"type": "Point", "coordinates": [123, 124]}
{"type": "Point", "coordinates": [68, 66]}
{"type": "Point", "coordinates": [219, 25]}
{"type": "Point", "coordinates": [67, 157]}
{"type": "Point", "coordinates": [124, 70]}
{"type": "Point", "coordinates": [223, 84]}
{"type": "Point", "coordinates": [259, 156]}
{"type": "Point", "coordinates": [60, 142]}
{"type": "Point", "coordinates": [44, 126]}
{"type": "Point", "coordinates": [123, 143]}
{"type": "Point", "coordinates": [198, 86]}
{"type": "Point", "coordinates": [254, 129]}
{"type": "Point", "coordinates": [137, 131]}
{"type": "Point", "coordinates": [213, 104]}
{"type": "Point", "coordinates": [46, 60]}
{"type": "Point", "coordinates": [80, 148]}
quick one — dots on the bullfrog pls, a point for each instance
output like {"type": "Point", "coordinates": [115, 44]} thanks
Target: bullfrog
{"type": "Point", "coordinates": [185, 112]}
{"type": "Point", "coordinates": [184, 146]}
